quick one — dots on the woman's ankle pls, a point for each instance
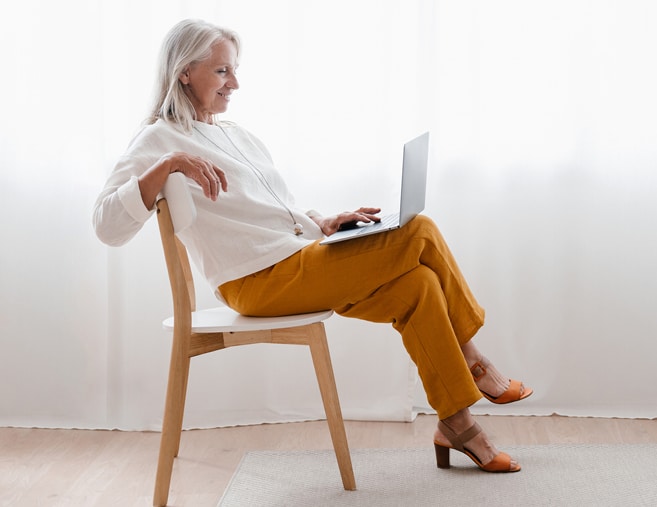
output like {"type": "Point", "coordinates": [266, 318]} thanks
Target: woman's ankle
{"type": "Point", "coordinates": [486, 376]}
{"type": "Point", "coordinates": [471, 353]}
{"type": "Point", "coordinates": [460, 421]}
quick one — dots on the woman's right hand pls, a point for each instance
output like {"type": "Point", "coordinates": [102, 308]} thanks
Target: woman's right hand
{"type": "Point", "coordinates": [210, 177]}
{"type": "Point", "coordinates": [346, 220]}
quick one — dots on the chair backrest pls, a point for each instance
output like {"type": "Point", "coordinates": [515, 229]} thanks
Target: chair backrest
{"type": "Point", "coordinates": [181, 205]}
{"type": "Point", "coordinates": [176, 212]}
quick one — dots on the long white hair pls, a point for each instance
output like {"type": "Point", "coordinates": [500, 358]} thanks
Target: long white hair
{"type": "Point", "coordinates": [187, 42]}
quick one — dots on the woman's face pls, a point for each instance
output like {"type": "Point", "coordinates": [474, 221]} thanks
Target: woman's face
{"type": "Point", "coordinates": [210, 82]}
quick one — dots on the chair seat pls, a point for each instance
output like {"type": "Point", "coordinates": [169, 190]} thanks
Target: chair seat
{"type": "Point", "coordinates": [226, 320]}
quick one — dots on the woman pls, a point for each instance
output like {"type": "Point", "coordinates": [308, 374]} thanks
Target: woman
{"type": "Point", "coordinates": [262, 253]}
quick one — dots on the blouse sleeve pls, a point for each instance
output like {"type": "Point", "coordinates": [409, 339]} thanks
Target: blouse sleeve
{"type": "Point", "coordinates": [119, 212]}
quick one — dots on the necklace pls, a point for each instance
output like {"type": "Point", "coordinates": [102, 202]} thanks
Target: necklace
{"type": "Point", "coordinates": [298, 228]}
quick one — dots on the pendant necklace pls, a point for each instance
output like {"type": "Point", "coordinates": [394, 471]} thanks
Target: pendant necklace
{"type": "Point", "coordinates": [298, 228]}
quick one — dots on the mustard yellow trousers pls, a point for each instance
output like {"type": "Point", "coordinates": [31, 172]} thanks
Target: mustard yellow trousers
{"type": "Point", "coordinates": [406, 277]}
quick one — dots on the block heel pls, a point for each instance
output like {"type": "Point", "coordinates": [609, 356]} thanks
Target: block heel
{"type": "Point", "coordinates": [442, 456]}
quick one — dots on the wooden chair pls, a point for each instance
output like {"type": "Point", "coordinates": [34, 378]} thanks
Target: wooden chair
{"type": "Point", "coordinates": [200, 332]}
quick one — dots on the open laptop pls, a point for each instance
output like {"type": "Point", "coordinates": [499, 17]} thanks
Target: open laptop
{"type": "Point", "coordinates": [413, 192]}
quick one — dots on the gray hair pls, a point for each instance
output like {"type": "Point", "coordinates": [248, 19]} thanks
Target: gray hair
{"type": "Point", "coordinates": [187, 42]}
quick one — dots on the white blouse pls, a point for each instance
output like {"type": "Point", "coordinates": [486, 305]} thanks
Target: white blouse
{"type": "Point", "coordinates": [248, 228]}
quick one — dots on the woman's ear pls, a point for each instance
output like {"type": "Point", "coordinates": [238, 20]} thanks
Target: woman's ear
{"type": "Point", "coordinates": [183, 77]}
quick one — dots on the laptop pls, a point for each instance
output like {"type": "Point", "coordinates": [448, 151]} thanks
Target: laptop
{"type": "Point", "coordinates": [413, 192]}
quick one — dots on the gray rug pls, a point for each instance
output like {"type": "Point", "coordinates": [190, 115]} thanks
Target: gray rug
{"type": "Point", "coordinates": [560, 475]}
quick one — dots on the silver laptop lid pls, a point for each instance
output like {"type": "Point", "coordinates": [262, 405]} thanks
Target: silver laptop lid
{"type": "Point", "coordinates": [414, 177]}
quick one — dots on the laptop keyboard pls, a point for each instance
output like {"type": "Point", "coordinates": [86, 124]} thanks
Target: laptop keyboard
{"type": "Point", "coordinates": [386, 221]}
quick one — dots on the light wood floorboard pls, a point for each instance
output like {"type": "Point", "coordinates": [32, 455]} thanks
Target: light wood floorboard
{"type": "Point", "coordinates": [71, 468]}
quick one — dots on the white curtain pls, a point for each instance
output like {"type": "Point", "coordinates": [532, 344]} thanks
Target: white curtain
{"type": "Point", "coordinates": [542, 178]}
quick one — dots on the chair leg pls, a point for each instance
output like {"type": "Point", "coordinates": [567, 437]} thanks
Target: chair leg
{"type": "Point", "coordinates": [171, 427]}
{"type": "Point", "coordinates": [181, 413]}
{"type": "Point", "coordinates": [326, 379]}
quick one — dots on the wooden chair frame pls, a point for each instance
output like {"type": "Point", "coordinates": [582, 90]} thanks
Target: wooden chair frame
{"type": "Point", "coordinates": [188, 343]}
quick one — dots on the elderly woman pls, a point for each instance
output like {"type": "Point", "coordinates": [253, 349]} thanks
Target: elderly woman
{"type": "Point", "coordinates": [263, 255]}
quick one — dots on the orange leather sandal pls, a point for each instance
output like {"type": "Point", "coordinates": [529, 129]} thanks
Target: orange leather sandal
{"type": "Point", "coordinates": [515, 392]}
{"type": "Point", "coordinates": [499, 464]}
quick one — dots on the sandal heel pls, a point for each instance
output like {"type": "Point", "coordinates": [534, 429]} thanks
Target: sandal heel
{"type": "Point", "coordinates": [442, 456]}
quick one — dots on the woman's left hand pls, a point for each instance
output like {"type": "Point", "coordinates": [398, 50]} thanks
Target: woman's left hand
{"type": "Point", "coordinates": [346, 220]}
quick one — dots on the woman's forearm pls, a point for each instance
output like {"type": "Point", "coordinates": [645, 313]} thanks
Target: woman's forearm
{"type": "Point", "coordinates": [153, 180]}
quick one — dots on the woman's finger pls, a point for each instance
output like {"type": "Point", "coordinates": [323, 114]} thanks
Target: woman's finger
{"type": "Point", "coordinates": [212, 179]}
{"type": "Point", "coordinates": [222, 178]}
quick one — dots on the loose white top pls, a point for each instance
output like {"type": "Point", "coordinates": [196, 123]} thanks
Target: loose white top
{"type": "Point", "coordinates": [245, 230]}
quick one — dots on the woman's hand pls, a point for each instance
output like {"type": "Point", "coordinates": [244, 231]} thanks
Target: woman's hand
{"type": "Point", "coordinates": [202, 171]}
{"type": "Point", "coordinates": [346, 220]}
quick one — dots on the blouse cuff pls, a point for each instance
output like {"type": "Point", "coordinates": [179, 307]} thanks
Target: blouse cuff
{"type": "Point", "coordinates": [130, 197]}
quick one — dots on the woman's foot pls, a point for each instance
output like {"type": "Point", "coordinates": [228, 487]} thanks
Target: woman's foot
{"type": "Point", "coordinates": [492, 384]}
{"type": "Point", "coordinates": [462, 433]}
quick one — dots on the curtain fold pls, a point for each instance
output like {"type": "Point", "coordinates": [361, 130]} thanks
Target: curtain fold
{"type": "Point", "coordinates": [542, 177]}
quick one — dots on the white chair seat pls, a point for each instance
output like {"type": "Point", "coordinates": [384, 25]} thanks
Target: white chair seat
{"type": "Point", "coordinates": [225, 320]}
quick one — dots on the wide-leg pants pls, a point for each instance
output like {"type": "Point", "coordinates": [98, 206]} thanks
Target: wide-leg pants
{"type": "Point", "coordinates": [407, 277]}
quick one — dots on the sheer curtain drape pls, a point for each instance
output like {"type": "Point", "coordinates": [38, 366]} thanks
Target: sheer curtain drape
{"type": "Point", "coordinates": [542, 178]}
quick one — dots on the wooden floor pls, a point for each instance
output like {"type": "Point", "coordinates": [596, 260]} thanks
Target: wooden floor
{"type": "Point", "coordinates": [112, 468]}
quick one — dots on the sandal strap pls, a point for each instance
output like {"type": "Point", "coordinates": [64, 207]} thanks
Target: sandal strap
{"type": "Point", "coordinates": [459, 440]}
{"type": "Point", "coordinates": [500, 463]}
{"type": "Point", "coordinates": [512, 393]}
{"type": "Point", "coordinates": [479, 369]}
